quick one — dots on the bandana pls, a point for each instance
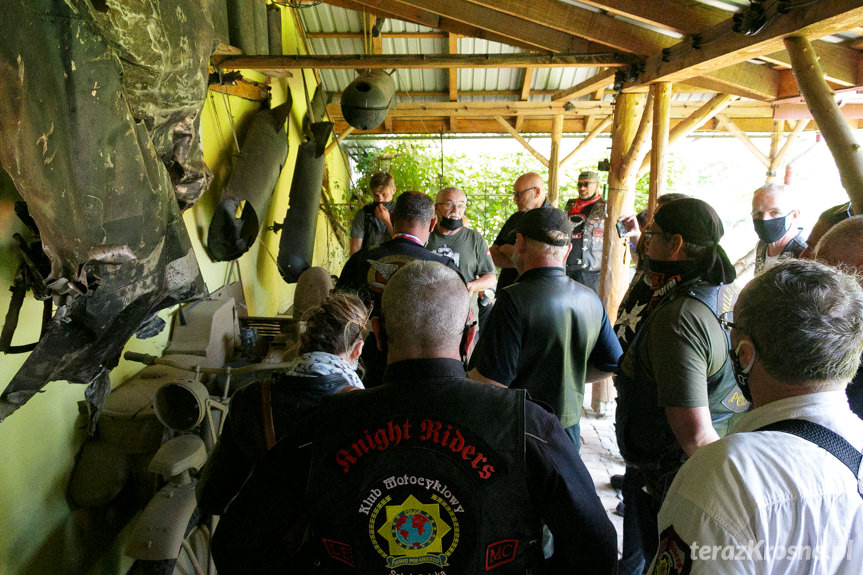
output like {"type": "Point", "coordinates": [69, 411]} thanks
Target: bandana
{"type": "Point", "coordinates": [316, 363]}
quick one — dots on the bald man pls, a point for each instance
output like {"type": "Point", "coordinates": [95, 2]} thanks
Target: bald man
{"type": "Point", "coordinates": [774, 215]}
{"type": "Point", "coordinates": [528, 193]}
{"type": "Point", "coordinates": [842, 246]}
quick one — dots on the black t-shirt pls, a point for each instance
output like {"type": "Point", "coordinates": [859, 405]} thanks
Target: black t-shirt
{"type": "Point", "coordinates": [506, 237]}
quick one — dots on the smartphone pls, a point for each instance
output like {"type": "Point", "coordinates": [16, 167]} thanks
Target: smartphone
{"type": "Point", "coordinates": [621, 229]}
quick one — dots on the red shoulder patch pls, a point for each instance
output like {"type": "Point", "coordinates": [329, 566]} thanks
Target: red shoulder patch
{"type": "Point", "coordinates": [500, 552]}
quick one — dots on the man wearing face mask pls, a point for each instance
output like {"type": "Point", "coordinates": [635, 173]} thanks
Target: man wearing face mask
{"type": "Point", "coordinates": [781, 493]}
{"type": "Point", "coordinates": [774, 214]}
{"type": "Point", "coordinates": [465, 246]}
{"type": "Point", "coordinates": [676, 389]}
{"type": "Point", "coordinates": [372, 225]}
{"type": "Point", "coordinates": [430, 472]}
{"type": "Point", "coordinates": [368, 271]}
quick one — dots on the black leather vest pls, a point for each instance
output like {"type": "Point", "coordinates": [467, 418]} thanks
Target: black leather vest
{"type": "Point", "coordinates": [406, 481]}
{"type": "Point", "coordinates": [643, 433]}
{"type": "Point", "coordinates": [588, 233]}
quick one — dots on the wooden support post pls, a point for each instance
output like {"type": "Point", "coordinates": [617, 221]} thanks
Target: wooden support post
{"type": "Point", "coordinates": [837, 133]}
{"type": "Point", "coordinates": [335, 143]}
{"type": "Point", "coordinates": [452, 48]}
{"type": "Point", "coordinates": [621, 200]}
{"type": "Point", "coordinates": [661, 122]}
{"type": "Point", "coordinates": [587, 139]}
{"type": "Point", "coordinates": [730, 127]}
{"type": "Point", "coordinates": [789, 141]}
{"type": "Point", "coordinates": [553, 157]}
{"type": "Point", "coordinates": [514, 133]}
{"type": "Point", "coordinates": [775, 138]}
{"type": "Point", "coordinates": [697, 119]}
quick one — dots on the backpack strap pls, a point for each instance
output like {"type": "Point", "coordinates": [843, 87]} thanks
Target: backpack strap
{"type": "Point", "coordinates": [824, 438]}
{"type": "Point", "coordinates": [267, 413]}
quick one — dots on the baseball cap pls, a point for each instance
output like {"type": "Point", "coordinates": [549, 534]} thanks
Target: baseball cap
{"type": "Point", "coordinates": [538, 222]}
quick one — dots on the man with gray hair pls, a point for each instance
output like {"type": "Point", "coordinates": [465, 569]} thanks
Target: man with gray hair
{"type": "Point", "coordinates": [781, 493]}
{"type": "Point", "coordinates": [429, 472]}
{"type": "Point", "coordinates": [367, 272]}
{"type": "Point", "coordinates": [774, 214]}
{"type": "Point", "coordinates": [547, 333]}
{"type": "Point", "coordinates": [842, 247]}
{"type": "Point", "coordinates": [465, 246]}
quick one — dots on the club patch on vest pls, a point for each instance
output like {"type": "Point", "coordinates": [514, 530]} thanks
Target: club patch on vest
{"type": "Point", "coordinates": [339, 551]}
{"type": "Point", "coordinates": [735, 401]}
{"type": "Point", "coordinates": [500, 553]}
{"type": "Point", "coordinates": [380, 271]}
{"type": "Point", "coordinates": [408, 531]}
{"type": "Point", "coordinates": [673, 557]}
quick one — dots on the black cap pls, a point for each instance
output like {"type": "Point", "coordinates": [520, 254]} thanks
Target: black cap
{"type": "Point", "coordinates": [589, 175]}
{"type": "Point", "coordinates": [537, 223]}
{"type": "Point", "coordinates": [699, 224]}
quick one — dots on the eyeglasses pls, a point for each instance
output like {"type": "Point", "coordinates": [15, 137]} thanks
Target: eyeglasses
{"type": "Point", "coordinates": [584, 184]}
{"type": "Point", "coordinates": [450, 205]}
{"type": "Point", "coordinates": [725, 321]}
{"type": "Point", "coordinates": [518, 194]}
{"type": "Point", "coordinates": [650, 233]}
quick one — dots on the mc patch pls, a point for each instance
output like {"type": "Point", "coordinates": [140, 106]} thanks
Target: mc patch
{"type": "Point", "coordinates": [339, 551]}
{"type": "Point", "coordinates": [673, 556]}
{"type": "Point", "coordinates": [735, 401]}
{"type": "Point", "coordinates": [408, 532]}
{"type": "Point", "coordinates": [500, 553]}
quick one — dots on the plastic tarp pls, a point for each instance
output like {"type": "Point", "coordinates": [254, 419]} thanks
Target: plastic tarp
{"type": "Point", "coordinates": [94, 97]}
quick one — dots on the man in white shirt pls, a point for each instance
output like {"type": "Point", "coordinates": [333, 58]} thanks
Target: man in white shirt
{"type": "Point", "coordinates": [762, 501]}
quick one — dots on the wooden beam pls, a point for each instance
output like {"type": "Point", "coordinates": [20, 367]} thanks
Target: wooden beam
{"type": "Point", "coordinates": [789, 141]}
{"type": "Point", "coordinates": [452, 48]}
{"type": "Point", "coordinates": [526, 82]}
{"type": "Point", "coordinates": [719, 46]}
{"type": "Point", "coordinates": [596, 27]}
{"type": "Point", "coordinates": [682, 17]}
{"type": "Point", "coordinates": [658, 163]}
{"type": "Point", "coordinates": [360, 35]}
{"type": "Point", "coordinates": [377, 43]}
{"type": "Point", "coordinates": [554, 159]}
{"type": "Point", "coordinates": [522, 141]}
{"type": "Point", "coordinates": [335, 143]}
{"type": "Point", "coordinates": [592, 84]}
{"type": "Point", "coordinates": [541, 37]}
{"type": "Point", "coordinates": [692, 123]}
{"type": "Point", "coordinates": [587, 139]}
{"type": "Point", "coordinates": [732, 129]}
{"type": "Point", "coordinates": [421, 61]}
{"type": "Point", "coordinates": [836, 131]}
{"type": "Point", "coordinates": [775, 138]}
{"type": "Point", "coordinates": [840, 64]}
{"type": "Point", "coordinates": [746, 80]}
{"type": "Point", "coordinates": [801, 111]}
{"type": "Point", "coordinates": [392, 9]}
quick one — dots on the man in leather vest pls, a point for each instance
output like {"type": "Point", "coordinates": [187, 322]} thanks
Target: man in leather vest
{"type": "Point", "coordinates": [547, 333]}
{"type": "Point", "coordinates": [428, 473]}
{"type": "Point", "coordinates": [367, 272]}
{"type": "Point", "coordinates": [782, 492]}
{"type": "Point", "coordinates": [774, 215]}
{"type": "Point", "coordinates": [676, 389]}
{"type": "Point", "coordinates": [587, 213]}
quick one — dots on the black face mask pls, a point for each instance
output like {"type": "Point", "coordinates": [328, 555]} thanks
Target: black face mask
{"type": "Point", "coordinates": [741, 374]}
{"type": "Point", "coordinates": [770, 231]}
{"type": "Point", "coordinates": [450, 224]}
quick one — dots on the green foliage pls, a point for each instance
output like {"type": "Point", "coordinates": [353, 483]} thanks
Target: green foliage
{"type": "Point", "coordinates": [486, 180]}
